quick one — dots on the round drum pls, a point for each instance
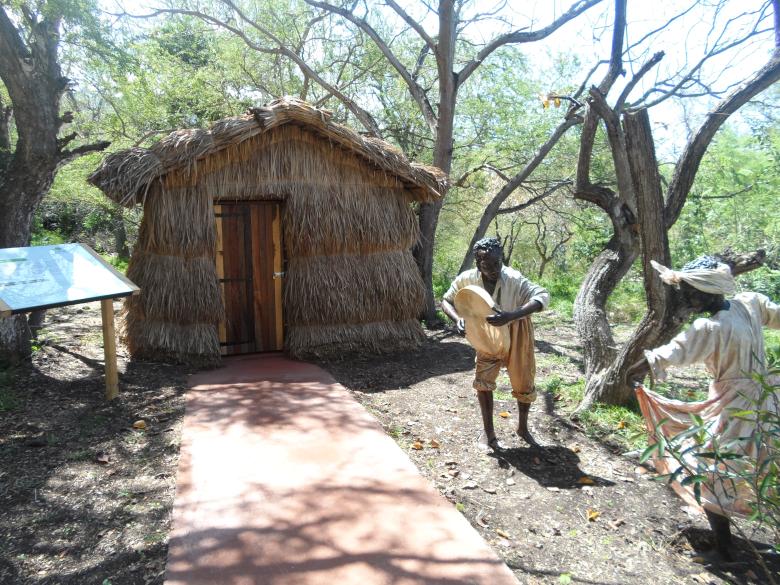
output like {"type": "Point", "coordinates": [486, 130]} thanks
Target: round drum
{"type": "Point", "coordinates": [473, 304]}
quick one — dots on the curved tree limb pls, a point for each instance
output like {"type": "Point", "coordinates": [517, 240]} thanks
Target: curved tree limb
{"type": "Point", "coordinates": [362, 115]}
{"type": "Point", "coordinates": [521, 36]}
{"type": "Point", "coordinates": [688, 165]}
{"type": "Point", "coordinates": [416, 90]}
{"type": "Point", "coordinates": [494, 206]}
{"type": "Point", "coordinates": [429, 42]}
{"type": "Point", "coordinates": [584, 189]}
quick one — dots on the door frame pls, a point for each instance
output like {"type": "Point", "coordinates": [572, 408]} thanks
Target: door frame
{"type": "Point", "coordinates": [276, 342]}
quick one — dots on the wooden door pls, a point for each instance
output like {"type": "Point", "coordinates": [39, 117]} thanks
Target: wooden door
{"type": "Point", "coordinates": [249, 266]}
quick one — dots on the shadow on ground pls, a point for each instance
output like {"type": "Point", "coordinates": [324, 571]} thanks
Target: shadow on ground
{"type": "Point", "coordinates": [551, 466]}
{"type": "Point", "coordinates": [440, 354]}
{"type": "Point", "coordinates": [749, 556]}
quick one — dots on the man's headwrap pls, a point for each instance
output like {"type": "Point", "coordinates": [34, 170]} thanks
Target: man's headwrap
{"type": "Point", "coordinates": [717, 280]}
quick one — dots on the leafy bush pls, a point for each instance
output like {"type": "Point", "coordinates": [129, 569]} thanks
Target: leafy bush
{"type": "Point", "coordinates": [763, 280]}
{"type": "Point", "coordinates": [628, 303]}
{"type": "Point", "coordinates": [563, 289]}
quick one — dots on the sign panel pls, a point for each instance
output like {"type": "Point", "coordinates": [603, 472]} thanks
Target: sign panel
{"type": "Point", "coordinates": [40, 277]}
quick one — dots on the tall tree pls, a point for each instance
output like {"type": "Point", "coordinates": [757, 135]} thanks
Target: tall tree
{"type": "Point", "coordinates": [438, 104]}
{"type": "Point", "coordinates": [640, 212]}
{"type": "Point", "coordinates": [31, 147]}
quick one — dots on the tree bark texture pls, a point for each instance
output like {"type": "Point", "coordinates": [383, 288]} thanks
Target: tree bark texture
{"type": "Point", "coordinates": [442, 153]}
{"type": "Point", "coordinates": [30, 71]}
{"type": "Point", "coordinates": [610, 382]}
{"type": "Point", "coordinates": [665, 316]}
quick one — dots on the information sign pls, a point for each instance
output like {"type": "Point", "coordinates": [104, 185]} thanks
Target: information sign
{"type": "Point", "coordinates": [41, 277]}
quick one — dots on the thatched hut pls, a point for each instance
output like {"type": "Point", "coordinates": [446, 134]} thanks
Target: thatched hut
{"type": "Point", "coordinates": [279, 229]}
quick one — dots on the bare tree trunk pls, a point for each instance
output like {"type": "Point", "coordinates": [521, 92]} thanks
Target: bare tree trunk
{"type": "Point", "coordinates": [120, 233]}
{"type": "Point", "coordinates": [31, 73]}
{"type": "Point", "coordinates": [610, 383]}
{"type": "Point", "coordinates": [442, 153]}
{"type": "Point", "coordinates": [666, 314]}
{"type": "Point", "coordinates": [590, 305]}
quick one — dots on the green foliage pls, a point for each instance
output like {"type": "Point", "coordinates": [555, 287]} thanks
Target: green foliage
{"type": "Point", "coordinates": [119, 263]}
{"type": "Point", "coordinates": [618, 425]}
{"type": "Point", "coordinates": [563, 287]}
{"type": "Point", "coordinates": [731, 201]}
{"type": "Point", "coordinates": [76, 212]}
{"type": "Point", "coordinates": [627, 303]}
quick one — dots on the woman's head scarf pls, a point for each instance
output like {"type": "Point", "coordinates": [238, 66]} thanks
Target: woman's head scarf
{"type": "Point", "coordinates": [715, 279]}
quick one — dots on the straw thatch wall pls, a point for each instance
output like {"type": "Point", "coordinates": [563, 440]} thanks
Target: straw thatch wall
{"type": "Point", "coordinates": [351, 281]}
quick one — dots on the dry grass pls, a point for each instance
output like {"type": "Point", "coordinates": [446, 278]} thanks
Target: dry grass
{"type": "Point", "coordinates": [335, 340]}
{"type": "Point", "coordinates": [126, 176]}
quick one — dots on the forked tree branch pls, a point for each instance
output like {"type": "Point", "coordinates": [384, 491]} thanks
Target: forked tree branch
{"type": "Point", "coordinates": [362, 115]}
{"type": "Point", "coordinates": [416, 90]}
{"type": "Point", "coordinates": [688, 165]}
{"type": "Point", "coordinates": [522, 36]}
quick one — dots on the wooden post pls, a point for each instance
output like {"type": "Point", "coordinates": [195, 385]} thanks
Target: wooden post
{"type": "Point", "coordinates": [109, 348]}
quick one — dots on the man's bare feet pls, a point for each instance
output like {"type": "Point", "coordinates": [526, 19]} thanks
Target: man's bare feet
{"type": "Point", "coordinates": [527, 437]}
{"type": "Point", "coordinates": [495, 445]}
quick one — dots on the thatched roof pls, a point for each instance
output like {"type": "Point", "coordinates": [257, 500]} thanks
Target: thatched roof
{"type": "Point", "coordinates": [126, 176]}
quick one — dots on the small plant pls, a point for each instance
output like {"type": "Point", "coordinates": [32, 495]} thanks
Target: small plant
{"type": "Point", "coordinates": [553, 384]}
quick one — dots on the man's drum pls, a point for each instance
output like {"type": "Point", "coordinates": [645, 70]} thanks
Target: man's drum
{"type": "Point", "coordinates": [473, 304]}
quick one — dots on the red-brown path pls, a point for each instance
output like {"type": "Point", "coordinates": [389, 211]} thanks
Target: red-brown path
{"type": "Point", "coordinates": [285, 479]}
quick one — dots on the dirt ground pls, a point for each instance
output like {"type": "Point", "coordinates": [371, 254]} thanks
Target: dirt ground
{"type": "Point", "coordinates": [87, 486]}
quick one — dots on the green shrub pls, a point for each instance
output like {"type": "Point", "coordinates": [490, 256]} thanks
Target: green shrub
{"type": "Point", "coordinates": [627, 304]}
{"type": "Point", "coordinates": [563, 288]}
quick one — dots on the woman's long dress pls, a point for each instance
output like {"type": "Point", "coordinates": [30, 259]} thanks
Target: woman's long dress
{"type": "Point", "coordinates": [731, 345]}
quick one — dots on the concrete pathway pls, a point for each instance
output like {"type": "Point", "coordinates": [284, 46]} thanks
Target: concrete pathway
{"type": "Point", "coordinates": [284, 479]}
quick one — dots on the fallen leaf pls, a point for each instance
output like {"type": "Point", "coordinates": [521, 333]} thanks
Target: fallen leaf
{"type": "Point", "coordinates": [593, 515]}
{"type": "Point", "coordinates": [585, 480]}
{"type": "Point", "coordinates": [139, 424]}
{"type": "Point", "coordinates": [435, 444]}
{"type": "Point", "coordinates": [417, 445]}
{"type": "Point", "coordinates": [502, 534]}
{"type": "Point", "coordinates": [621, 425]}
{"type": "Point", "coordinates": [102, 457]}
{"type": "Point", "coordinates": [503, 414]}
{"type": "Point", "coordinates": [575, 448]}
